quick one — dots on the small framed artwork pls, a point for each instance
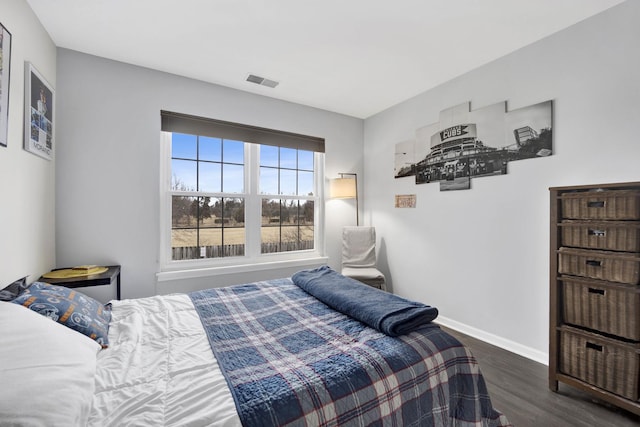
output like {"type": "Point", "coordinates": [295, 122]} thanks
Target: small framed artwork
{"type": "Point", "coordinates": [38, 116]}
{"type": "Point", "coordinates": [405, 201]}
{"type": "Point", "coordinates": [5, 68]}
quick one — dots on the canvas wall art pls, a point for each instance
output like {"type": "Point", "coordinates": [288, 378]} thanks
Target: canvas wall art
{"type": "Point", "coordinates": [466, 144]}
{"type": "Point", "coordinates": [404, 158]}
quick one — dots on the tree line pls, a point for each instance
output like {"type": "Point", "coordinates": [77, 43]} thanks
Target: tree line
{"type": "Point", "coordinates": [187, 210]}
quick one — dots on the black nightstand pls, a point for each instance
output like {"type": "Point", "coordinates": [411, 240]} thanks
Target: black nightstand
{"type": "Point", "coordinates": [106, 278]}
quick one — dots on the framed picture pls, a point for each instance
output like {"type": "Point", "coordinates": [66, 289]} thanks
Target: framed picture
{"type": "Point", "coordinates": [5, 69]}
{"type": "Point", "coordinates": [405, 201]}
{"type": "Point", "coordinates": [38, 116]}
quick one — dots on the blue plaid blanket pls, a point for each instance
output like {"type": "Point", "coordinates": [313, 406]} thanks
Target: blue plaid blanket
{"type": "Point", "coordinates": [381, 310]}
{"type": "Point", "coordinates": [290, 360]}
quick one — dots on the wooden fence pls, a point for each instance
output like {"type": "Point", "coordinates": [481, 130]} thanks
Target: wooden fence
{"type": "Point", "coordinates": [219, 251]}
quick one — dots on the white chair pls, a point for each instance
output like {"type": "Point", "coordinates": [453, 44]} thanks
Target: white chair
{"type": "Point", "coordinates": [359, 256]}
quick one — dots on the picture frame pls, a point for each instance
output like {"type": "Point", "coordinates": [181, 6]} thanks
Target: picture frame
{"type": "Point", "coordinates": [5, 78]}
{"type": "Point", "coordinates": [39, 114]}
{"type": "Point", "coordinates": [405, 201]}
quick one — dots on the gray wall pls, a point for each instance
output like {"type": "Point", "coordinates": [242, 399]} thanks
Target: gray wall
{"type": "Point", "coordinates": [108, 159]}
{"type": "Point", "coordinates": [27, 182]}
{"type": "Point", "coordinates": [481, 255]}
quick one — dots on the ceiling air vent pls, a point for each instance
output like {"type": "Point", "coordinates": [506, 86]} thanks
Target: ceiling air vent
{"type": "Point", "coordinates": [262, 81]}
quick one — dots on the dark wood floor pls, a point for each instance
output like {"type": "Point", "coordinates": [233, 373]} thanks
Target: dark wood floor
{"type": "Point", "coordinates": [519, 388]}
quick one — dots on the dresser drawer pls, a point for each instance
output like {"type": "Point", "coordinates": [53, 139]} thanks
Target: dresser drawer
{"type": "Point", "coordinates": [605, 307]}
{"type": "Point", "coordinates": [612, 204]}
{"type": "Point", "coordinates": [607, 235]}
{"type": "Point", "coordinates": [603, 265]}
{"type": "Point", "coordinates": [603, 362]}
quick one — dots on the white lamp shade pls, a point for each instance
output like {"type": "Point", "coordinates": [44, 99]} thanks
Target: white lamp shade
{"type": "Point", "coordinates": [342, 188]}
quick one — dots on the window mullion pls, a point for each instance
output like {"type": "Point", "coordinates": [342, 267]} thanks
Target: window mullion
{"type": "Point", "coordinates": [198, 190]}
{"type": "Point", "coordinates": [253, 200]}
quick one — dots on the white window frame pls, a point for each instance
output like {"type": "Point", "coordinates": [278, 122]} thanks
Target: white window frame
{"type": "Point", "coordinates": [253, 260]}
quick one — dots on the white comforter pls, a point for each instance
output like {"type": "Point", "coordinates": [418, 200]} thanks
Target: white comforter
{"type": "Point", "coordinates": [159, 369]}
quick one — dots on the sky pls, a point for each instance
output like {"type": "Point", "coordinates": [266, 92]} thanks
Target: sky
{"type": "Point", "coordinates": [283, 171]}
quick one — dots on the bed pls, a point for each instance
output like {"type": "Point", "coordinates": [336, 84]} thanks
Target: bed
{"type": "Point", "coordinates": [274, 353]}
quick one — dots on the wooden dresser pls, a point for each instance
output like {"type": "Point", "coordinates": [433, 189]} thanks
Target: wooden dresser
{"type": "Point", "coordinates": [594, 326]}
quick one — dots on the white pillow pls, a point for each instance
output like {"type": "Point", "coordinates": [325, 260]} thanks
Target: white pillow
{"type": "Point", "coordinates": [46, 370]}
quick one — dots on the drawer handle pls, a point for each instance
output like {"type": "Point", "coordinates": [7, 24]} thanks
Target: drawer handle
{"type": "Point", "coordinates": [593, 346]}
{"type": "Point", "coordinates": [594, 263]}
{"type": "Point", "coordinates": [596, 291]}
{"type": "Point", "coordinates": [597, 233]}
{"type": "Point", "coordinates": [596, 204]}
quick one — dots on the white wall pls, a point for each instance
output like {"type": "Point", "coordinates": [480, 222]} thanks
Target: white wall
{"type": "Point", "coordinates": [482, 255]}
{"type": "Point", "coordinates": [27, 182]}
{"type": "Point", "coordinates": [109, 155]}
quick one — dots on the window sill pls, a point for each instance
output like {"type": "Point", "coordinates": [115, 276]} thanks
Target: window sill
{"type": "Point", "coordinates": [192, 273]}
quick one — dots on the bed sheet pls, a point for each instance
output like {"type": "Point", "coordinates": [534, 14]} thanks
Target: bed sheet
{"type": "Point", "coordinates": [159, 369]}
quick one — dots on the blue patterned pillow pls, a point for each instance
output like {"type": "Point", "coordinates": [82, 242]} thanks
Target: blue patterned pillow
{"type": "Point", "coordinates": [70, 308]}
{"type": "Point", "coordinates": [13, 290]}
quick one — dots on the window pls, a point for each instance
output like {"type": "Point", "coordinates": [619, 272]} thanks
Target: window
{"type": "Point", "coordinates": [228, 199]}
{"type": "Point", "coordinates": [287, 223]}
{"type": "Point", "coordinates": [207, 221]}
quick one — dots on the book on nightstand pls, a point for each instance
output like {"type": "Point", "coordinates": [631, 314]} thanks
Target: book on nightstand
{"type": "Point", "coordinates": [87, 269]}
{"type": "Point", "coordinates": [79, 271]}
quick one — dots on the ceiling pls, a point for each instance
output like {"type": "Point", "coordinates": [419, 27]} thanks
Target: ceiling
{"type": "Point", "coordinates": [355, 57]}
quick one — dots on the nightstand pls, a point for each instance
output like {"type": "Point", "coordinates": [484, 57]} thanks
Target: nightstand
{"type": "Point", "coordinates": [107, 278]}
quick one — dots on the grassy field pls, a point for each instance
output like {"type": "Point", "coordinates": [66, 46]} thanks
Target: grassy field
{"type": "Point", "coordinates": [236, 236]}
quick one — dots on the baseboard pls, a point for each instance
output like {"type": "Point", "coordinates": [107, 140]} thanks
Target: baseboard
{"type": "Point", "coordinates": [514, 347]}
